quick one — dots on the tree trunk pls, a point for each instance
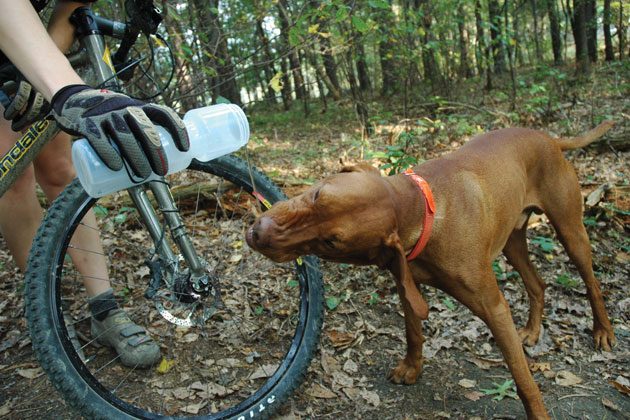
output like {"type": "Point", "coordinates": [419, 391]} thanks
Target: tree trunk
{"type": "Point", "coordinates": [286, 84]}
{"type": "Point", "coordinates": [554, 27]}
{"type": "Point", "coordinates": [294, 57]}
{"type": "Point", "coordinates": [429, 62]}
{"type": "Point", "coordinates": [496, 36]}
{"type": "Point", "coordinates": [591, 29]}
{"type": "Point", "coordinates": [465, 71]}
{"type": "Point", "coordinates": [267, 59]}
{"type": "Point", "coordinates": [389, 77]}
{"type": "Point", "coordinates": [578, 22]}
{"type": "Point", "coordinates": [184, 83]}
{"type": "Point", "coordinates": [539, 55]}
{"type": "Point", "coordinates": [216, 53]}
{"type": "Point", "coordinates": [362, 69]}
{"type": "Point", "coordinates": [323, 77]}
{"type": "Point", "coordinates": [610, 53]}
{"type": "Point", "coordinates": [621, 32]}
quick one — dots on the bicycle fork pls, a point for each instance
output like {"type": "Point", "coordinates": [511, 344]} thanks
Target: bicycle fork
{"type": "Point", "coordinates": [198, 278]}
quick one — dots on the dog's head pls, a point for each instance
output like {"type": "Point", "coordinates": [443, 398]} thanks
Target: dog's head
{"type": "Point", "coordinates": [349, 217]}
{"type": "Point", "coordinates": [337, 219]}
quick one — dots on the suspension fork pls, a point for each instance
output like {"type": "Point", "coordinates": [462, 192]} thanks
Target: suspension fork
{"type": "Point", "coordinates": [91, 40]}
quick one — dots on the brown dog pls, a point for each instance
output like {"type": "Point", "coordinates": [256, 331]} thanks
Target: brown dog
{"type": "Point", "coordinates": [484, 194]}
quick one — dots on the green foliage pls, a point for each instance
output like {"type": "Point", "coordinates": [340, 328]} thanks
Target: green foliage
{"type": "Point", "coordinates": [397, 156]}
{"type": "Point", "coordinates": [501, 274]}
{"type": "Point", "coordinates": [332, 302]}
{"type": "Point", "coordinates": [500, 391]}
{"type": "Point", "coordinates": [449, 303]}
{"type": "Point", "coordinates": [374, 298]}
{"type": "Point", "coordinates": [567, 281]}
{"type": "Point", "coordinates": [544, 243]}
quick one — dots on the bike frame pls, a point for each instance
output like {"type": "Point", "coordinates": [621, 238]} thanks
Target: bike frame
{"type": "Point", "coordinates": [89, 31]}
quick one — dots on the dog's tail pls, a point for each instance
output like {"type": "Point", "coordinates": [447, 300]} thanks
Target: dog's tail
{"type": "Point", "coordinates": [586, 139]}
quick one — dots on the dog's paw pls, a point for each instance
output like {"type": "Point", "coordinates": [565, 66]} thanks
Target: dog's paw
{"type": "Point", "coordinates": [529, 336]}
{"type": "Point", "coordinates": [604, 339]}
{"type": "Point", "coordinates": [406, 372]}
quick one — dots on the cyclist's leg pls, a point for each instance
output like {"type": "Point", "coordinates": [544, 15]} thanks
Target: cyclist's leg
{"type": "Point", "coordinates": [110, 325]}
{"type": "Point", "coordinates": [53, 172]}
{"type": "Point", "coordinates": [20, 212]}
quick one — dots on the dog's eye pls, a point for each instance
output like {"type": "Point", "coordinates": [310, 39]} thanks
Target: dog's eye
{"type": "Point", "coordinates": [316, 195]}
{"type": "Point", "coordinates": [330, 243]}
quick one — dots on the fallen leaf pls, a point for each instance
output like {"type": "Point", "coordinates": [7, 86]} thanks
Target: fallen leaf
{"type": "Point", "coordinates": [566, 378]}
{"type": "Point", "coordinates": [485, 364]}
{"type": "Point", "coordinates": [182, 393]}
{"type": "Point", "coordinates": [341, 380]}
{"type": "Point", "coordinates": [350, 366]}
{"type": "Point", "coordinates": [209, 390]}
{"type": "Point", "coordinates": [165, 365]}
{"type": "Point", "coordinates": [264, 371]}
{"type": "Point", "coordinates": [540, 367]}
{"type": "Point", "coordinates": [320, 391]}
{"type": "Point", "coordinates": [190, 337]}
{"type": "Point", "coordinates": [339, 339]}
{"type": "Point", "coordinates": [194, 408]}
{"type": "Point", "coordinates": [474, 395]}
{"type": "Point", "coordinates": [622, 385]}
{"type": "Point", "coordinates": [371, 397]}
{"type": "Point", "coordinates": [6, 408]}
{"type": "Point", "coordinates": [609, 404]}
{"type": "Point", "coordinates": [467, 383]}
{"type": "Point", "coordinates": [30, 373]}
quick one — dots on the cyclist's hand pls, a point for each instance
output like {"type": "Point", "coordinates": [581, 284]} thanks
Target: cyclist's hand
{"type": "Point", "coordinates": [107, 118]}
{"type": "Point", "coordinates": [27, 106]}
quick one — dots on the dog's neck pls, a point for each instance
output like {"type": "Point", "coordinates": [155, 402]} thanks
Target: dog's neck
{"type": "Point", "coordinates": [409, 208]}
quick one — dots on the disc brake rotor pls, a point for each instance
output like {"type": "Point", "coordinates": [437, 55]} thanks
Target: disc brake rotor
{"type": "Point", "coordinates": [181, 313]}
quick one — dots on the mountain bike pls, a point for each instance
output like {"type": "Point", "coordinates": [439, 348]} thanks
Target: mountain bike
{"type": "Point", "coordinates": [236, 331]}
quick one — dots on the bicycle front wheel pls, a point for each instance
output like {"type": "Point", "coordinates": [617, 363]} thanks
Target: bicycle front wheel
{"type": "Point", "coordinates": [237, 351]}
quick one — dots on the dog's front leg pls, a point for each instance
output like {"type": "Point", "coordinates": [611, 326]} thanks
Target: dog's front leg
{"type": "Point", "coordinates": [410, 367]}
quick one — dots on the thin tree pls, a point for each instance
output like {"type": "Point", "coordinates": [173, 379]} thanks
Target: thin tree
{"type": "Point", "coordinates": [610, 52]}
{"type": "Point", "coordinates": [554, 27]}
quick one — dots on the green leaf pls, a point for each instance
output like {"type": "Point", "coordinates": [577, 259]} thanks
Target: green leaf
{"type": "Point", "coordinates": [359, 24]}
{"type": "Point", "coordinates": [374, 298]}
{"type": "Point", "coordinates": [100, 211]}
{"type": "Point", "coordinates": [293, 283]}
{"type": "Point", "coordinates": [448, 302]}
{"type": "Point", "coordinates": [258, 310]}
{"type": "Point", "coordinates": [221, 100]}
{"type": "Point", "coordinates": [332, 302]}
{"type": "Point", "coordinates": [506, 389]}
{"type": "Point", "coordinates": [567, 281]}
{"type": "Point", "coordinates": [378, 4]}
{"type": "Point", "coordinates": [546, 244]}
{"type": "Point", "coordinates": [294, 37]}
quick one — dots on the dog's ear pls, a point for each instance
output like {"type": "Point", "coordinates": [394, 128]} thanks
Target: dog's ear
{"type": "Point", "coordinates": [360, 167]}
{"type": "Point", "coordinates": [407, 289]}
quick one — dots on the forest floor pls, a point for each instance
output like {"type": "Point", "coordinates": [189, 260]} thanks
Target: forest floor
{"type": "Point", "coordinates": [363, 335]}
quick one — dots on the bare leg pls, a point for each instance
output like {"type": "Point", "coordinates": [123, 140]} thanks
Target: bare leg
{"type": "Point", "coordinates": [54, 170]}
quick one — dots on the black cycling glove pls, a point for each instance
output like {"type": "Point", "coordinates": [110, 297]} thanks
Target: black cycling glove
{"type": "Point", "coordinates": [27, 106]}
{"type": "Point", "coordinates": [107, 118]}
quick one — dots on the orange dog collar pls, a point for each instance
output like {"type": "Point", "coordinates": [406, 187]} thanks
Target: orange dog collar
{"type": "Point", "coordinates": [429, 213]}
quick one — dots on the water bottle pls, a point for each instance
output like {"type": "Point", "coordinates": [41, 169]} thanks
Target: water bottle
{"type": "Point", "coordinates": [213, 131]}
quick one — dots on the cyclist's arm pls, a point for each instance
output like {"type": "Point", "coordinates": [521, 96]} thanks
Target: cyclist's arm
{"type": "Point", "coordinates": [26, 43]}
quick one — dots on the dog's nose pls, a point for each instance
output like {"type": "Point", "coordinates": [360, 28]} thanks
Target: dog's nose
{"type": "Point", "coordinates": [258, 235]}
